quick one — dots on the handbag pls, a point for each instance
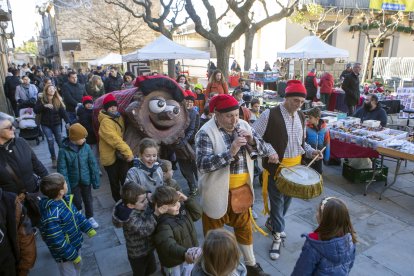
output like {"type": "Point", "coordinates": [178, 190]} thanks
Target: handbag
{"type": "Point", "coordinates": [241, 199]}
{"type": "Point", "coordinates": [29, 200]}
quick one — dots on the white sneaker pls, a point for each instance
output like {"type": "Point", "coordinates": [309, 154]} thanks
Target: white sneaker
{"type": "Point", "coordinates": [93, 222]}
{"type": "Point", "coordinates": [254, 214]}
{"type": "Point", "coordinates": [274, 252]}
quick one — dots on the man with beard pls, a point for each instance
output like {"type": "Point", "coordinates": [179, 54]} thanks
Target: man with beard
{"type": "Point", "coordinates": [371, 110]}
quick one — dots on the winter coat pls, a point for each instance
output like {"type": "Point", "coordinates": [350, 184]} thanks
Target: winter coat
{"type": "Point", "coordinates": [50, 117]}
{"type": "Point", "coordinates": [175, 234]}
{"type": "Point", "coordinates": [78, 165]}
{"type": "Point", "coordinates": [113, 83]}
{"type": "Point", "coordinates": [138, 227]}
{"type": "Point", "coordinates": [111, 138]}
{"type": "Point", "coordinates": [198, 270]}
{"type": "Point", "coordinates": [26, 93]}
{"type": "Point", "coordinates": [200, 102]}
{"type": "Point", "coordinates": [72, 94]}
{"type": "Point", "coordinates": [217, 87]}
{"type": "Point", "coordinates": [311, 85]}
{"type": "Point", "coordinates": [351, 88]}
{"type": "Point", "coordinates": [23, 161]}
{"type": "Point", "coordinates": [10, 86]}
{"type": "Point", "coordinates": [85, 118]}
{"type": "Point", "coordinates": [93, 92]}
{"type": "Point", "coordinates": [61, 227]}
{"type": "Point", "coordinates": [326, 83]}
{"type": "Point", "coordinates": [333, 257]}
{"type": "Point", "coordinates": [149, 179]}
{"type": "Point", "coordinates": [378, 114]}
{"type": "Point", "coordinates": [319, 137]}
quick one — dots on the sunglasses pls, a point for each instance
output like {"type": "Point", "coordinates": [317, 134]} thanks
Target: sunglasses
{"type": "Point", "coordinates": [9, 127]}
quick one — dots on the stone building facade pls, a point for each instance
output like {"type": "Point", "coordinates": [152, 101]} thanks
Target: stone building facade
{"type": "Point", "coordinates": [63, 37]}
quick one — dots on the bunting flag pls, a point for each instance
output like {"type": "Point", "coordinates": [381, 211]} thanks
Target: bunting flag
{"type": "Point", "coordinates": [392, 5]}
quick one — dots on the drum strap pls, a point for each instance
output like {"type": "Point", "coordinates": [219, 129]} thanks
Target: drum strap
{"type": "Point", "coordinates": [287, 162]}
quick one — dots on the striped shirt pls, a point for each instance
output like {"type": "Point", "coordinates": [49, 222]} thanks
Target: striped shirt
{"type": "Point", "coordinates": [295, 132]}
{"type": "Point", "coordinates": [208, 162]}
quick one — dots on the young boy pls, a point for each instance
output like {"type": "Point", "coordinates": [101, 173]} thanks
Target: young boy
{"type": "Point", "coordinates": [200, 101]}
{"type": "Point", "coordinates": [168, 173]}
{"type": "Point", "coordinates": [255, 110]}
{"type": "Point", "coordinates": [62, 224]}
{"type": "Point", "coordinates": [133, 214]}
{"type": "Point", "coordinates": [317, 136]}
{"type": "Point", "coordinates": [77, 163]}
{"type": "Point", "coordinates": [175, 235]}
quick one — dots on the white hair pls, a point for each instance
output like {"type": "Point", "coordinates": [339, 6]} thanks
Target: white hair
{"type": "Point", "coordinates": [4, 117]}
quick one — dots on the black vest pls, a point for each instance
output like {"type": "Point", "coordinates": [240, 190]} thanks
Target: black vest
{"type": "Point", "coordinates": [310, 87]}
{"type": "Point", "coordinates": [276, 135]}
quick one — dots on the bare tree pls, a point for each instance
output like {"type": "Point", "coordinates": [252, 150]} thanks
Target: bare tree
{"type": "Point", "coordinates": [256, 25]}
{"type": "Point", "coordinates": [113, 29]}
{"type": "Point", "coordinates": [165, 21]}
{"type": "Point", "coordinates": [314, 16]}
{"type": "Point", "coordinates": [376, 25]}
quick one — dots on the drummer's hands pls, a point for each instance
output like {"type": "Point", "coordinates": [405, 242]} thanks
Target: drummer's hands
{"type": "Point", "coordinates": [317, 153]}
{"type": "Point", "coordinates": [274, 158]}
{"type": "Point", "coordinates": [244, 133]}
{"type": "Point", "coordinates": [237, 143]}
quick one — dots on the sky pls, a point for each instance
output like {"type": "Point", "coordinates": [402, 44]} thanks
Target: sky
{"type": "Point", "coordinates": [24, 18]}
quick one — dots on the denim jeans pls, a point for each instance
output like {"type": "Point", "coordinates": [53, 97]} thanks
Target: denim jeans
{"type": "Point", "coordinates": [49, 132]}
{"type": "Point", "coordinates": [279, 204]}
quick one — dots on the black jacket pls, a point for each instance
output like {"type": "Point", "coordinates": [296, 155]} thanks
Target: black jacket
{"type": "Point", "coordinates": [85, 119]}
{"type": "Point", "coordinates": [72, 94]}
{"type": "Point", "coordinates": [10, 85]}
{"type": "Point", "coordinates": [23, 161]}
{"type": "Point", "coordinates": [9, 250]}
{"type": "Point", "coordinates": [378, 114]}
{"type": "Point", "coordinates": [113, 84]}
{"type": "Point", "coordinates": [50, 117]}
{"type": "Point", "coordinates": [351, 88]}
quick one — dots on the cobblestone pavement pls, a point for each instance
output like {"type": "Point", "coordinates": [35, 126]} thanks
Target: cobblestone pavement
{"type": "Point", "coordinates": [384, 228]}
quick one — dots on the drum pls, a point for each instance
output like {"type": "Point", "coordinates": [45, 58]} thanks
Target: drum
{"type": "Point", "coordinates": [304, 182]}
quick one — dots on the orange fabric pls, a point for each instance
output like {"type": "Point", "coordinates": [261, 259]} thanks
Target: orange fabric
{"type": "Point", "coordinates": [218, 87]}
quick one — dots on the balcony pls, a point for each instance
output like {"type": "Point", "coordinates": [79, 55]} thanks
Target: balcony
{"type": "Point", "coordinates": [5, 11]}
{"type": "Point", "coordinates": [342, 4]}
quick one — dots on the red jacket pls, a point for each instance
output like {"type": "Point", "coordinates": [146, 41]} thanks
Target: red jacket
{"type": "Point", "coordinates": [326, 83]}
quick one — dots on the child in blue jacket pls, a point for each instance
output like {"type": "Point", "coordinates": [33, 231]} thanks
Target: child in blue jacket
{"type": "Point", "coordinates": [62, 224]}
{"type": "Point", "coordinates": [77, 163]}
{"type": "Point", "coordinates": [330, 249]}
{"type": "Point", "coordinates": [318, 137]}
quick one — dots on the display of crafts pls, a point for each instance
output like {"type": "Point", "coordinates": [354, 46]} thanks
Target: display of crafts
{"type": "Point", "coordinates": [406, 146]}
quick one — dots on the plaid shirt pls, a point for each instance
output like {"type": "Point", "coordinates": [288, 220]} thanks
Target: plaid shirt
{"type": "Point", "coordinates": [295, 132]}
{"type": "Point", "coordinates": [208, 162]}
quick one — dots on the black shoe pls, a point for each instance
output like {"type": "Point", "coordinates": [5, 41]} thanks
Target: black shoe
{"type": "Point", "coordinates": [256, 270]}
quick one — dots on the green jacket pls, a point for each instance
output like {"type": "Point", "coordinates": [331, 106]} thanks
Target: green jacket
{"type": "Point", "coordinates": [175, 234]}
{"type": "Point", "coordinates": [78, 165]}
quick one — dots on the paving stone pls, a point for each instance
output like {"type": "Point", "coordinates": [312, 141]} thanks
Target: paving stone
{"type": "Point", "coordinates": [113, 261]}
{"type": "Point", "coordinates": [103, 239]}
{"type": "Point", "coordinates": [364, 266]}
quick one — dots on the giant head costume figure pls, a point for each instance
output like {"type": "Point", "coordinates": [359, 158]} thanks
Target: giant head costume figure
{"type": "Point", "coordinates": [155, 110]}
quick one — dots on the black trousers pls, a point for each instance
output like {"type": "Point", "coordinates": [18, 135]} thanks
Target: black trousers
{"type": "Point", "coordinates": [143, 266]}
{"type": "Point", "coordinates": [187, 170]}
{"type": "Point", "coordinates": [83, 193]}
{"type": "Point", "coordinates": [117, 173]}
{"type": "Point", "coordinates": [317, 166]}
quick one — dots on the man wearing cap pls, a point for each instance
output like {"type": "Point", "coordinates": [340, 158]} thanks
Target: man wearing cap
{"type": "Point", "coordinates": [111, 132]}
{"type": "Point", "coordinates": [224, 146]}
{"type": "Point", "coordinates": [283, 129]}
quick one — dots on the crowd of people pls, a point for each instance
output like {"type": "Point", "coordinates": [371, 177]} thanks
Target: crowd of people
{"type": "Point", "coordinates": [226, 134]}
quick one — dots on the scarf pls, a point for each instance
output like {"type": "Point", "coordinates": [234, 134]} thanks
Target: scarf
{"type": "Point", "coordinates": [112, 115]}
{"type": "Point", "coordinates": [140, 165]}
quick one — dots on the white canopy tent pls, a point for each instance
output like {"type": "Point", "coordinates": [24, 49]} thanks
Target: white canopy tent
{"type": "Point", "coordinates": [163, 48]}
{"type": "Point", "coordinates": [312, 47]}
{"type": "Point", "coordinates": [111, 58]}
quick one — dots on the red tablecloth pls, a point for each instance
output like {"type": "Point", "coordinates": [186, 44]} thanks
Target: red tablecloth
{"type": "Point", "coordinates": [346, 150]}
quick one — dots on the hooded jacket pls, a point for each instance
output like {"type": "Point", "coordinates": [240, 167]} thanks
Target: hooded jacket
{"type": "Point", "coordinates": [175, 234]}
{"type": "Point", "coordinates": [78, 165]}
{"type": "Point", "coordinates": [326, 83]}
{"type": "Point", "coordinates": [61, 227]}
{"type": "Point", "coordinates": [319, 137]}
{"type": "Point", "coordinates": [333, 257]}
{"type": "Point", "coordinates": [111, 138]}
{"type": "Point", "coordinates": [138, 227]}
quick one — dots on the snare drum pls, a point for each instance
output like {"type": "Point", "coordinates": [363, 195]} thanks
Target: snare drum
{"type": "Point", "coordinates": [306, 183]}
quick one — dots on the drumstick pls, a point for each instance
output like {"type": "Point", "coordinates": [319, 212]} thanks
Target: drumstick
{"type": "Point", "coordinates": [292, 170]}
{"type": "Point", "coordinates": [314, 159]}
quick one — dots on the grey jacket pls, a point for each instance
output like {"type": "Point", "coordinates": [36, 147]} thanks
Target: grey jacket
{"type": "Point", "coordinates": [138, 228]}
{"type": "Point", "coordinates": [198, 270]}
{"type": "Point", "coordinates": [144, 178]}
{"type": "Point", "coordinates": [25, 95]}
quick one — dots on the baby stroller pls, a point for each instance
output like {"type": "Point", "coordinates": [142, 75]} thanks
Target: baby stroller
{"type": "Point", "coordinates": [29, 130]}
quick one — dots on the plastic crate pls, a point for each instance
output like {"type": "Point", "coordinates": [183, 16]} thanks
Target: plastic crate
{"type": "Point", "coordinates": [363, 175]}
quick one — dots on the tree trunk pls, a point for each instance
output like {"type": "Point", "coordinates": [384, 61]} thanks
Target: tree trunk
{"type": "Point", "coordinates": [366, 61]}
{"type": "Point", "coordinates": [223, 55]}
{"type": "Point", "coordinates": [171, 68]}
{"type": "Point", "coordinates": [248, 48]}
